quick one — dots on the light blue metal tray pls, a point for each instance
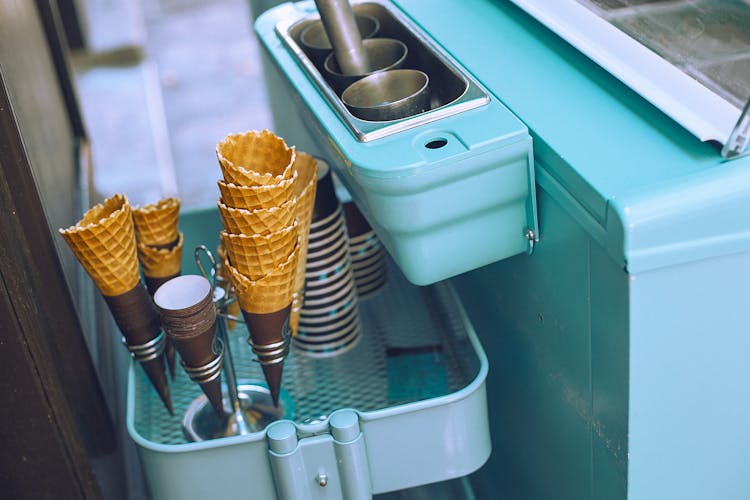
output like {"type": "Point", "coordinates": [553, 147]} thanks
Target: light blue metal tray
{"type": "Point", "coordinates": [414, 382]}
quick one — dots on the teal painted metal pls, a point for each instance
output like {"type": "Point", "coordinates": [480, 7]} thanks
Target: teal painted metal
{"type": "Point", "coordinates": [320, 467]}
{"type": "Point", "coordinates": [398, 445]}
{"type": "Point", "coordinates": [662, 196]}
{"type": "Point", "coordinates": [415, 196]}
{"type": "Point", "coordinates": [620, 371]}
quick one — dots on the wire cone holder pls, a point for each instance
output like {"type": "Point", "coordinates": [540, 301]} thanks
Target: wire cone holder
{"type": "Point", "coordinates": [208, 372]}
{"type": "Point", "coordinates": [149, 351]}
{"type": "Point", "coordinates": [274, 352]}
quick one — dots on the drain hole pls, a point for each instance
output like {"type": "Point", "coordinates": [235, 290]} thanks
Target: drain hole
{"type": "Point", "coordinates": [436, 143]}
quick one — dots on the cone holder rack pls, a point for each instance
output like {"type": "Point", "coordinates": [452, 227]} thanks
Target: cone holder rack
{"type": "Point", "coordinates": [246, 406]}
{"type": "Point", "coordinates": [148, 351]}
{"type": "Point", "coordinates": [406, 405]}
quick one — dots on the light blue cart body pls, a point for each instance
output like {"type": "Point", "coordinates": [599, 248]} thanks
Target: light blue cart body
{"type": "Point", "coordinates": [619, 349]}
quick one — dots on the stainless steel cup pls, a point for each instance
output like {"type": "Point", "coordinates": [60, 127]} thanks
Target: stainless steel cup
{"type": "Point", "coordinates": [388, 95]}
{"type": "Point", "coordinates": [383, 54]}
{"type": "Point", "coordinates": [316, 44]}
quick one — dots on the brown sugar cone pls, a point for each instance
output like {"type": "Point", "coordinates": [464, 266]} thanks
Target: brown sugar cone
{"type": "Point", "coordinates": [260, 221]}
{"type": "Point", "coordinates": [257, 197]}
{"type": "Point", "coordinates": [270, 293]}
{"type": "Point", "coordinates": [160, 264]}
{"type": "Point", "coordinates": [255, 158]}
{"type": "Point", "coordinates": [306, 168]}
{"type": "Point", "coordinates": [156, 224]}
{"type": "Point", "coordinates": [260, 254]}
{"type": "Point", "coordinates": [268, 328]}
{"type": "Point", "coordinates": [138, 321]}
{"type": "Point", "coordinates": [104, 243]}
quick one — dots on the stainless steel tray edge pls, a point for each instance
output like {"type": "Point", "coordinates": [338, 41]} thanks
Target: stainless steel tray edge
{"type": "Point", "coordinates": [473, 97]}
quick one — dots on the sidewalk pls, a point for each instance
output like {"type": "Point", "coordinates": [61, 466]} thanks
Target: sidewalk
{"type": "Point", "coordinates": [165, 81]}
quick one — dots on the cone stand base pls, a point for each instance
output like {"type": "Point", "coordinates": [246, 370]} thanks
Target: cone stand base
{"type": "Point", "coordinates": [201, 423]}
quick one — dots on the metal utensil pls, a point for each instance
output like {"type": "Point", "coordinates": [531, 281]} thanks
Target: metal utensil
{"type": "Point", "coordinates": [388, 95]}
{"type": "Point", "coordinates": [338, 19]}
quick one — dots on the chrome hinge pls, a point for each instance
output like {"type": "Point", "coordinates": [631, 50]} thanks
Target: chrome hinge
{"type": "Point", "coordinates": [737, 145]}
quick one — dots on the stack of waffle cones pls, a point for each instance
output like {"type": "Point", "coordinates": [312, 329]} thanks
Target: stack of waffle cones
{"type": "Point", "coordinates": [265, 215]}
{"type": "Point", "coordinates": [159, 244]}
{"type": "Point", "coordinates": [159, 241]}
{"type": "Point", "coordinates": [104, 242]}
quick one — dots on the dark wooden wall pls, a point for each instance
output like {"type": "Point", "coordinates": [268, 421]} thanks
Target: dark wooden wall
{"type": "Point", "coordinates": [53, 419]}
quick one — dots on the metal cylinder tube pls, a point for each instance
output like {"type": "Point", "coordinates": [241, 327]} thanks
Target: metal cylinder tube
{"type": "Point", "coordinates": [339, 23]}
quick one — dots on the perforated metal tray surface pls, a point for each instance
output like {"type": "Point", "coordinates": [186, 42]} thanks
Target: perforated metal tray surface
{"type": "Point", "coordinates": [414, 346]}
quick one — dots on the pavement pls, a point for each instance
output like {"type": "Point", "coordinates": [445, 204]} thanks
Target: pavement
{"type": "Point", "coordinates": [163, 81]}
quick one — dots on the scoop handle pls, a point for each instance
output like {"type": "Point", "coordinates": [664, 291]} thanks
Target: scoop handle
{"type": "Point", "coordinates": [338, 20]}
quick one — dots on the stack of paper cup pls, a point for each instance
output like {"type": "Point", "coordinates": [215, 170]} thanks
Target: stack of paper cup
{"type": "Point", "coordinates": [368, 256]}
{"type": "Point", "coordinates": [329, 321]}
{"type": "Point", "coordinates": [188, 317]}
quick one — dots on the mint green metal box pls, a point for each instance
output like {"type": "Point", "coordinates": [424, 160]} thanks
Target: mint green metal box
{"type": "Point", "coordinates": [439, 211]}
{"type": "Point", "coordinates": [619, 347]}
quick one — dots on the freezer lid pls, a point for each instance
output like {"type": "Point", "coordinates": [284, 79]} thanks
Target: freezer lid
{"type": "Point", "coordinates": [689, 58]}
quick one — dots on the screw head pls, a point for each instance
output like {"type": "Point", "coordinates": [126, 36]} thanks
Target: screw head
{"type": "Point", "coordinates": [322, 479]}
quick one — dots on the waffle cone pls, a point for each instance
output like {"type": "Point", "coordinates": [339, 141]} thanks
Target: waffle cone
{"type": "Point", "coordinates": [160, 262]}
{"type": "Point", "coordinates": [306, 168]}
{"type": "Point", "coordinates": [233, 307]}
{"type": "Point", "coordinates": [258, 255]}
{"type": "Point", "coordinates": [255, 158]}
{"type": "Point", "coordinates": [104, 243]}
{"type": "Point", "coordinates": [156, 224]}
{"type": "Point", "coordinates": [294, 314]}
{"type": "Point", "coordinates": [270, 293]}
{"type": "Point", "coordinates": [257, 197]}
{"type": "Point", "coordinates": [261, 221]}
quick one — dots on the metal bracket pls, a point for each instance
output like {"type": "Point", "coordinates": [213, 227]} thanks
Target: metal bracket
{"type": "Point", "coordinates": [533, 238]}
{"type": "Point", "coordinates": [328, 466]}
{"type": "Point", "coordinates": [737, 144]}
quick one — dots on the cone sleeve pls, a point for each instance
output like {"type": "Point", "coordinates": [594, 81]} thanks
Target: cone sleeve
{"type": "Point", "coordinates": [138, 321]}
{"type": "Point", "coordinates": [267, 329]}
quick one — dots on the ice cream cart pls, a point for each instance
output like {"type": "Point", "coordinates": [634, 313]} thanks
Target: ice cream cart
{"type": "Point", "coordinates": [592, 228]}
